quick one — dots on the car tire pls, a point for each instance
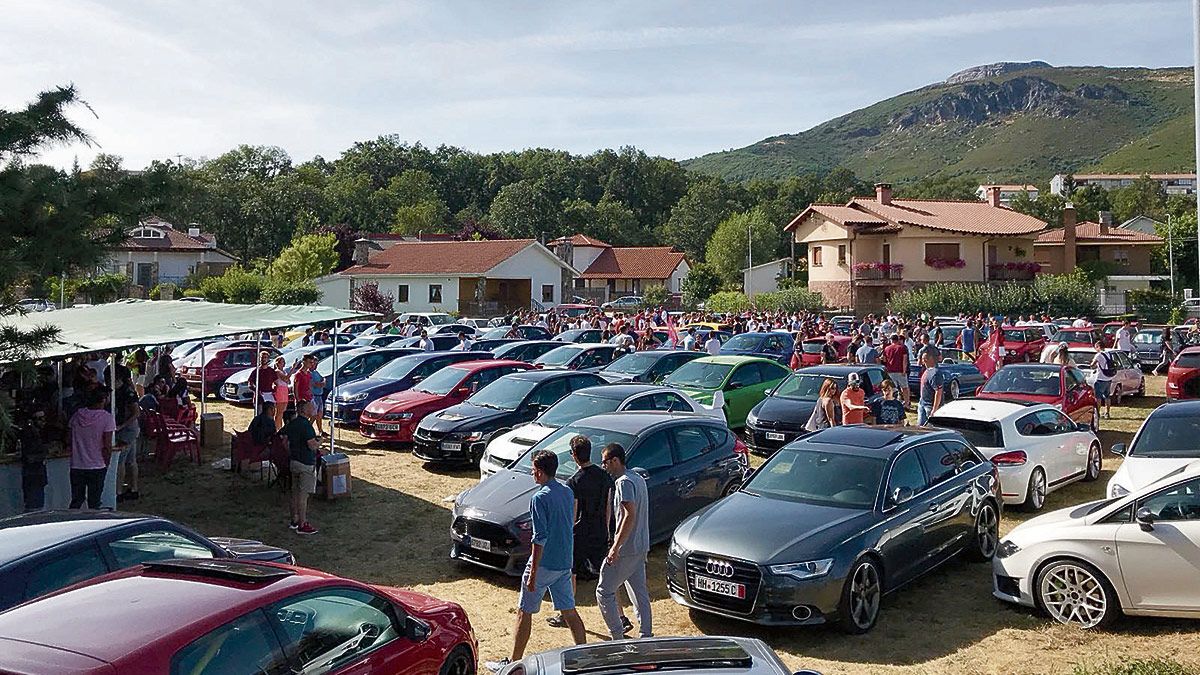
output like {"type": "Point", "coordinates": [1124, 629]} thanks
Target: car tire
{"type": "Point", "coordinates": [458, 662]}
{"type": "Point", "coordinates": [730, 488]}
{"type": "Point", "coordinates": [954, 390]}
{"type": "Point", "coordinates": [1061, 587]}
{"type": "Point", "coordinates": [985, 535]}
{"type": "Point", "coordinates": [1096, 419]}
{"type": "Point", "coordinates": [1035, 492]}
{"type": "Point", "coordinates": [1095, 464]}
{"type": "Point", "coordinates": [862, 594]}
{"type": "Point", "coordinates": [1141, 392]}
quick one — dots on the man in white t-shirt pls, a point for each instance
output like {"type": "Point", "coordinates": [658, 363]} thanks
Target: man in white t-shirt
{"type": "Point", "coordinates": [1125, 337]}
{"type": "Point", "coordinates": [713, 344]}
{"type": "Point", "coordinates": [689, 340]}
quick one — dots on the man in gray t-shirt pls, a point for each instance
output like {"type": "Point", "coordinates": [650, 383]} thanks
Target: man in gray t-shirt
{"type": "Point", "coordinates": [626, 560]}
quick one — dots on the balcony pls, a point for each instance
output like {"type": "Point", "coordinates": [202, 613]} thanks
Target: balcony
{"type": "Point", "coordinates": [1013, 271]}
{"type": "Point", "coordinates": [877, 273]}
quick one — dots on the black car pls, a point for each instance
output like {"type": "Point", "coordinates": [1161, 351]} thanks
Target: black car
{"type": "Point", "coordinates": [579, 335]}
{"type": "Point", "coordinates": [579, 356]}
{"type": "Point", "coordinates": [648, 366]}
{"type": "Point", "coordinates": [688, 461]}
{"type": "Point", "coordinates": [779, 418]}
{"type": "Point", "coordinates": [1148, 343]}
{"type": "Point", "coordinates": [492, 343]}
{"type": "Point", "coordinates": [376, 340]}
{"type": "Point", "coordinates": [461, 432]}
{"type": "Point", "coordinates": [44, 551]}
{"type": "Point", "coordinates": [855, 512]}
{"type": "Point", "coordinates": [441, 343]}
{"type": "Point", "coordinates": [524, 350]}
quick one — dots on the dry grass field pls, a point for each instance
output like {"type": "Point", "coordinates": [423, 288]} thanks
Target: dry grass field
{"type": "Point", "coordinates": [395, 530]}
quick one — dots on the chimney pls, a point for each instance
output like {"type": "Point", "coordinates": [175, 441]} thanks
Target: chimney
{"type": "Point", "coordinates": [993, 196]}
{"type": "Point", "coordinates": [883, 193]}
{"type": "Point", "coordinates": [1069, 251]}
{"type": "Point", "coordinates": [362, 250]}
{"type": "Point", "coordinates": [1106, 222]}
{"type": "Point", "coordinates": [194, 232]}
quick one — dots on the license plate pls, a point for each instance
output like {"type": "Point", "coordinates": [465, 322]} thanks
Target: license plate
{"type": "Point", "coordinates": [720, 587]}
{"type": "Point", "coordinates": [231, 389]}
{"type": "Point", "coordinates": [388, 427]}
{"type": "Point", "coordinates": [479, 544]}
{"type": "Point", "coordinates": [451, 447]}
{"type": "Point", "coordinates": [774, 436]}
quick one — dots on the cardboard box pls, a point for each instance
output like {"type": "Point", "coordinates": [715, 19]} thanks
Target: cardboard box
{"type": "Point", "coordinates": [335, 476]}
{"type": "Point", "coordinates": [212, 430]}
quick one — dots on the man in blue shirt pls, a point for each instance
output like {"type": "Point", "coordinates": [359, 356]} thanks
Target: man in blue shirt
{"type": "Point", "coordinates": [932, 381]}
{"type": "Point", "coordinates": [552, 509]}
{"type": "Point", "coordinates": [867, 352]}
{"type": "Point", "coordinates": [967, 337]}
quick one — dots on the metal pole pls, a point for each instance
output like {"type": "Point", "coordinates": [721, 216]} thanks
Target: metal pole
{"type": "Point", "coordinates": [750, 257]}
{"type": "Point", "coordinates": [203, 370]}
{"type": "Point", "coordinates": [60, 391]}
{"type": "Point", "coordinates": [257, 358]}
{"type": "Point", "coordinates": [333, 389]}
{"type": "Point", "coordinates": [1171, 256]}
{"type": "Point", "coordinates": [1196, 96]}
{"type": "Point", "coordinates": [112, 388]}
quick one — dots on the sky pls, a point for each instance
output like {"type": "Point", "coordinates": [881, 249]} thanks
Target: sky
{"type": "Point", "coordinates": [675, 78]}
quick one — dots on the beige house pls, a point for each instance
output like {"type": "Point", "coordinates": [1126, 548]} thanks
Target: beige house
{"type": "Point", "coordinates": [608, 272]}
{"type": "Point", "coordinates": [863, 252]}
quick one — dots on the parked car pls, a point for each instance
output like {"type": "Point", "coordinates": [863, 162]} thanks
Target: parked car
{"type": "Point", "coordinates": [525, 350]}
{"type": "Point", "coordinates": [1061, 386]}
{"type": "Point", "coordinates": [340, 338]}
{"type": "Point", "coordinates": [780, 417]}
{"type": "Point", "coordinates": [36, 305]}
{"type": "Point", "coordinates": [230, 616]}
{"type": "Point", "coordinates": [221, 363]}
{"type": "Point", "coordinates": [488, 345]}
{"type": "Point", "coordinates": [1166, 442]}
{"type": "Point", "coordinates": [833, 522]}
{"type": "Point", "coordinates": [504, 449]}
{"type": "Point", "coordinates": [740, 382]}
{"type": "Point", "coordinates": [462, 432]}
{"type": "Point", "coordinates": [1148, 344]}
{"type": "Point", "coordinates": [426, 319]}
{"type": "Point", "coordinates": [454, 329]}
{"type": "Point", "coordinates": [623, 304]}
{"type": "Point", "coordinates": [1035, 446]}
{"type": "Point", "coordinates": [573, 310]}
{"type": "Point", "coordinates": [1129, 379]}
{"type": "Point", "coordinates": [810, 350]}
{"type": "Point", "coordinates": [395, 416]}
{"type": "Point", "coordinates": [358, 327]}
{"type": "Point", "coordinates": [962, 375]}
{"type": "Point", "coordinates": [696, 655]}
{"type": "Point", "coordinates": [688, 461]}
{"type": "Point", "coordinates": [1023, 344]}
{"type": "Point", "coordinates": [777, 346]}
{"type": "Point", "coordinates": [441, 343]}
{"type": "Point", "coordinates": [1183, 375]}
{"type": "Point", "coordinates": [348, 401]}
{"type": "Point", "coordinates": [579, 356]}
{"type": "Point", "coordinates": [523, 332]}
{"type": "Point", "coordinates": [1087, 564]}
{"type": "Point", "coordinates": [649, 366]}
{"type": "Point", "coordinates": [579, 335]}
{"type": "Point", "coordinates": [1077, 337]}
{"type": "Point", "coordinates": [377, 340]}
{"type": "Point", "coordinates": [239, 387]}
{"type": "Point", "coordinates": [44, 551]}
{"type": "Point", "coordinates": [188, 353]}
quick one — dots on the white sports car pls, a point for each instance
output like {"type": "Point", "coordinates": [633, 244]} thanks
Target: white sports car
{"type": "Point", "coordinates": [1166, 441]}
{"type": "Point", "coordinates": [1035, 447]}
{"type": "Point", "coordinates": [1086, 564]}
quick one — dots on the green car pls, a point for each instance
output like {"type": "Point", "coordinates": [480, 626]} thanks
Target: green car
{"type": "Point", "coordinates": [742, 380]}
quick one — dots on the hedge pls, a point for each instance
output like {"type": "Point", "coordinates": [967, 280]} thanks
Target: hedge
{"type": "Point", "coordinates": [1057, 295]}
{"type": "Point", "coordinates": [790, 300]}
{"type": "Point", "coordinates": [727, 302]}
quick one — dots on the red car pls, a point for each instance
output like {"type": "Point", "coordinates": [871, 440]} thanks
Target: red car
{"type": "Point", "coordinates": [221, 364]}
{"type": "Point", "coordinates": [1023, 344]}
{"type": "Point", "coordinates": [810, 350]}
{"type": "Point", "coordinates": [396, 416]}
{"type": "Point", "coordinates": [1062, 386]}
{"type": "Point", "coordinates": [1078, 338]}
{"type": "Point", "coordinates": [1183, 377]}
{"type": "Point", "coordinates": [1108, 332]}
{"type": "Point", "coordinates": [222, 616]}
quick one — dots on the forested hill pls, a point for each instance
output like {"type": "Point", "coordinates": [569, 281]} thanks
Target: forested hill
{"type": "Point", "coordinates": [1005, 121]}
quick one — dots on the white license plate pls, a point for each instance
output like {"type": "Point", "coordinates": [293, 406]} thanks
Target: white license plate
{"type": "Point", "coordinates": [388, 427]}
{"type": "Point", "coordinates": [479, 544]}
{"type": "Point", "coordinates": [774, 436]}
{"type": "Point", "coordinates": [451, 447]}
{"type": "Point", "coordinates": [230, 389]}
{"type": "Point", "coordinates": [720, 587]}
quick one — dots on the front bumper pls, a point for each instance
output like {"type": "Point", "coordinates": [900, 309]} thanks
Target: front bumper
{"type": "Point", "coordinates": [764, 441]}
{"type": "Point", "coordinates": [1011, 582]}
{"type": "Point", "coordinates": [237, 393]}
{"type": "Point", "coordinates": [487, 544]}
{"type": "Point", "coordinates": [344, 412]}
{"type": "Point", "coordinates": [450, 448]}
{"type": "Point", "coordinates": [380, 429]}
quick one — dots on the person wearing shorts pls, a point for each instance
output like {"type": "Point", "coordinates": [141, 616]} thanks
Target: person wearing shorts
{"type": "Point", "coordinates": [302, 453]}
{"type": "Point", "coordinates": [128, 430]}
{"type": "Point", "coordinates": [1100, 362]}
{"type": "Point", "coordinates": [592, 488]}
{"type": "Point", "coordinates": [895, 361]}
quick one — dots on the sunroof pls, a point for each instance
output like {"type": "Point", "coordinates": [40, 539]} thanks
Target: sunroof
{"type": "Point", "coordinates": [860, 437]}
{"type": "Point", "coordinates": [650, 655]}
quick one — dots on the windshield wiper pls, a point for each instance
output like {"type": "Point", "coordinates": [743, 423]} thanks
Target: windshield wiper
{"type": "Point", "coordinates": [489, 405]}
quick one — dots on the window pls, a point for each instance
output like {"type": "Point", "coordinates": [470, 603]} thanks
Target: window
{"type": "Point", "coordinates": [1121, 257]}
{"type": "Point", "coordinates": [906, 475]}
{"type": "Point", "coordinates": [147, 233]}
{"type": "Point", "coordinates": [435, 294]}
{"type": "Point", "coordinates": [579, 283]}
{"type": "Point", "coordinates": [815, 256]}
{"type": "Point", "coordinates": [547, 292]}
{"type": "Point", "coordinates": [156, 545]}
{"type": "Point", "coordinates": [940, 461]}
{"type": "Point", "coordinates": [330, 628]}
{"type": "Point", "coordinates": [1178, 502]}
{"type": "Point", "coordinates": [875, 377]}
{"type": "Point", "coordinates": [642, 403]}
{"type": "Point", "coordinates": [73, 567]}
{"type": "Point", "coordinates": [402, 293]}
{"type": "Point", "coordinates": [841, 254]}
{"type": "Point", "coordinates": [244, 645]}
{"type": "Point", "coordinates": [768, 372]}
{"type": "Point", "coordinates": [670, 402]}
{"type": "Point", "coordinates": [549, 392]}
{"type": "Point", "coordinates": [653, 454]}
{"type": "Point", "coordinates": [745, 376]}
{"type": "Point", "coordinates": [690, 442]}
{"type": "Point", "coordinates": [942, 251]}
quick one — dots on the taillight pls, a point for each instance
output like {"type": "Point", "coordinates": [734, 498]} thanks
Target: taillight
{"type": "Point", "coordinates": [742, 450]}
{"type": "Point", "coordinates": [1013, 458]}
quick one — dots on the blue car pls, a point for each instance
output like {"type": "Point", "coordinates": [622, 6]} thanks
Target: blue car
{"type": "Point", "coordinates": [346, 402]}
{"type": "Point", "coordinates": [962, 375]}
{"type": "Point", "coordinates": [776, 346]}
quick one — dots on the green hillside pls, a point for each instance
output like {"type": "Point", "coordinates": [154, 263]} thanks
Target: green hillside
{"type": "Point", "coordinates": [998, 122]}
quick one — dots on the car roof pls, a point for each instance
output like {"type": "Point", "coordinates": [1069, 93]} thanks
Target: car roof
{"type": "Point", "coordinates": [1179, 408]}
{"type": "Point", "coordinates": [858, 439]}
{"type": "Point", "coordinates": [29, 533]}
{"type": "Point", "coordinates": [538, 374]}
{"type": "Point", "coordinates": [622, 391]}
{"type": "Point", "coordinates": [731, 359]}
{"type": "Point", "coordinates": [986, 409]}
{"type": "Point", "coordinates": [486, 364]}
{"type": "Point", "coordinates": [1032, 366]}
{"type": "Point", "coordinates": [636, 422]}
{"type": "Point", "coordinates": [838, 369]}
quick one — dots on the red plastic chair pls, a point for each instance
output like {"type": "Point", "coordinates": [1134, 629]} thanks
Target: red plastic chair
{"type": "Point", "coordinates": [169, 406]}
{"type": "Point", "coordinates": [170, 439]}
{"type": "Point", "coordinates": [279, 455]}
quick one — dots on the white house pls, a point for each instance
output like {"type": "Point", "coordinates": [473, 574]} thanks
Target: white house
{"type": "Point", "coordinates": [608, 272]}
{"type": "Point", "coordinates": [1008, 192]}
{"type": "Point", "coordinates": [1172, 183]}
{"type": "Point", "coordinates": [158, 252]}
{"type": "Point", "coordinates": [475, 278]}
{"type": "Point", "coordinates": [765, 278]}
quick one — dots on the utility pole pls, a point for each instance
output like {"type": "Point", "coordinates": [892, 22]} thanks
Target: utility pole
{"type": "Point", "coordinates": [1196, 96]}
{"type": "Point", "coordinates": [1171, 256]}
{"type": "Point", "coordinates": [750, 253]}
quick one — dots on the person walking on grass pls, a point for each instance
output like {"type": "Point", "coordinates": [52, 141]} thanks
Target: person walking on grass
{"type": "Point", "coordinates": [552, 509]}
{"type": "Point", "coordinates": [1102, 366]}
{"type": "Point", "coordinates": [625, 563]}
{"type": "Point", "coordinates": [303, 447]}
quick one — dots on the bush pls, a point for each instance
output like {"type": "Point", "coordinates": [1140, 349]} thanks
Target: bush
{"type": "Point", "coordinates": [241, 286]}
{"type": "Point", "coordinates": [1065, 294]}
{"type": "Point", "coordinates": [700, 283]}
{"type": "Point", "coordinates": [282, 292]}
{"type": "Point", "coordinates": [790, 300]}
{"type": "Point", "coordinates": [367, 298]}
{"type": "Point", "coordinates": [727, 302]}
{"type": "Point", "coordinates": [1058, 295]}
{"type": "Point", "coordinates": [193, 293]}
{"type": "Point", "coordinates": [1152, 305]}
{"type": "Point", "coordinates": [655, 296]}
{"type": "Point", "coordinates": [212, 289]}
{"type": "Point", "coordinates": [156, 293]}
{"type": "Point", "coordinates": [102, 288]}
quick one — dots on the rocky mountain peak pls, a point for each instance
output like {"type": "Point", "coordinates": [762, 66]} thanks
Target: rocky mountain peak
{"type": "Point", "coordinates": [992, 70]}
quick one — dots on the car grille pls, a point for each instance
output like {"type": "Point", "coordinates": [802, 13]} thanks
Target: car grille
{"type": "Point", "coordinates": [759, 439]}
{"type": "Point", "coordinates": [427, 436]}
{"type": "Point", "coordinates": [743, 573]}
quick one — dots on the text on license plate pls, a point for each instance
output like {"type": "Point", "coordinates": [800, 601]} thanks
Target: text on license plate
{"type": "Point", "coordinates": [451, 447]}
{"type": "Point", "coordinates": [479, 544]}
{"type": "Point", "coordinates": [720, 587]}
{"type": "Point", "coordinates": [774, 436]}
{"type": "Point", "coordinates": [388, 427]}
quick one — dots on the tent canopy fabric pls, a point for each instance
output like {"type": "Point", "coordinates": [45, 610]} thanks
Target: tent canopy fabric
{"type": "Point", "coordinates": [139, 323]}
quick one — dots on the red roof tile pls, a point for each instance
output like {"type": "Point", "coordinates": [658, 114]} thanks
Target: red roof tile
{"type": "Point", "coordinates": [963, 217]}
{"type": "Point", "coordinates": [173, 240]}
{"type": "Point", "coordinates": [441, 257]}
{"type": "Point", "coordinates": [582, 240]}
{"type": "Point", "coordinates": [1089, 233]}
{"type": "Point", "coordinates": [634, 262]}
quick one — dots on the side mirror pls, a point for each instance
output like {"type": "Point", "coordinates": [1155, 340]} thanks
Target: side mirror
{"type": "Point", "coordinates": [641, 472]}
{"type": "Point", "coordinates": [414, 629]}
{"type": "Point", "coordinates": [1080, 426]}
{"type": "Point", "coordinates": [537, 408]}
{"type": "Point", "coordinates": [900, 495]}
{"type": "Point", "coordinates": [418, 378]}
{"type": "Point", "coordinates": [1145, 519]}
{"type": "Point", "coordinates": [734, 385]}
{"type": "Point", "coordinates": [1118, 449]}
{"type": "Point", "coordinates": [463, 391]}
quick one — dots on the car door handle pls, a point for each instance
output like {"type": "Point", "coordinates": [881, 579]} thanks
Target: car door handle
{"type": "Point", "coordinates": [934, 507]}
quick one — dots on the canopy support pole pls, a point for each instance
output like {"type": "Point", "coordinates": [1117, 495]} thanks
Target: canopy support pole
{"type": "Point", "coordinates": [203, 370]}
{"type": "Point", "coordinates": [333, 390]}
{"type": "Point", "coordinates": [112, 389]}
{"type": "Point", "coordinates": [58, 370]}
{"type": "Point", "coordinates": [257, 366]}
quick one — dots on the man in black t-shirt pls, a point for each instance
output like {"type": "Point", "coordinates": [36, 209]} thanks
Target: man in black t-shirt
{"type": "Point", "coordinates": [303, 448]}
{"type": "Point", "coordinates": [593, 512]}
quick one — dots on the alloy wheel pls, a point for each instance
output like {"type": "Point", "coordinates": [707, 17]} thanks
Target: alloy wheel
{"type": "Point", "coordinates": [987, 531]}
{"type": "Point", "coordinates": [1094, 464]}
{"type": "Point", "coordinates": [1037, 490]}
{"type": "Point", "coordinates": [1072, 594]}
{"type": "Point", "coordinates": [864, 595]}
{"type": "Point", "coordinates": [954, 390]}
{"type": "Point", "coordinates": [1096, 419]}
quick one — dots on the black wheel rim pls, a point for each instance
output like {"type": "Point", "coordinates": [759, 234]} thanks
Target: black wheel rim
{"type": "Point", "coordinates": [459, 665]}
{"type": "Point", "coordinates": [987, 530]}
{"type": "Point", "coordinates": [864, 595]}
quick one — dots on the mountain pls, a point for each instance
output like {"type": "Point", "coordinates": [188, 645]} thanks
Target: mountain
{"type": "Point", "coordinates": [997, 122]}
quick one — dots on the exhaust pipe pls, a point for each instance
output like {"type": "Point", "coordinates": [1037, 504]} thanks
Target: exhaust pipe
{"type": "Point", "coordinates": [802, 613]}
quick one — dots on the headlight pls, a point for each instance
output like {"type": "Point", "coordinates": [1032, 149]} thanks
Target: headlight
{"type": "Point", "coordinates": [676, 550]}
{"type": "Point", "coordinates": [751, 418]}
{"type": "Point", "coordinates": [525, 524]}
{"type": "Point", "coordinates": [458, 499]}
{"type": "Point", "coordinates": [354, 397]}
{"type": "Point", "coordinates": [473, 436]}
{"type": "Point", "coordinates": [803, 570]}
{"type": "Point", "coordinates": [1006, 549]}
{"type": "Point", "coordinates": [398, 416]}
{"type": "Point", "coordinates": [1118, 490]}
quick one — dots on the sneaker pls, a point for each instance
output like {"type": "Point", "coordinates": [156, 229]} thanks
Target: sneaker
{"type": "Point", "coordinates": [626, 624]}
{"type": "Point", "coordinates": [306, 528]}
{"type": "Point", "coordinates": [294, 525]}
{"type": "Point", "coordinates": [556, 621]}
{"type": "Point", "coordinates": [496, 666]}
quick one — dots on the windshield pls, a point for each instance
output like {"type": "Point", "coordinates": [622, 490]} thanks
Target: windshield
{"type": "Point", "coordinates": [700, 374]}
{"type": "Point", "coordinates": [1082, 357]}
{"type": "Point", "coordinates": [505, 393]}
{"type": "Point", "coordinates": [1015, 335]}
{"type": "Point", "coordinates": [576, 407]}
{"type": "Point", "coordinates": [440, 319]}
{"type": "Point", "coordinates": [559, 356]}
{"type": "Point", "coordinates": [1148, 337]}
{"type": "Point", "coordinates": [442, 382]}
{"type": "Point", "coordinates": [824, 478]}
{"type": "Point", "coordinates": [559, 443]}
{"type": "Point", "coordinates": [743, 342]}
{"type": "Point", "coordinates": [325, 367]}
{"type": "Point", "coordinates": [805, 386]}
{"type": "Point", "coordinates": [632, 364]}
{"type": "Point", "coordinates": [1033, 381]}
{"type": "Point", "coordinates": [813, 346]}
{"type": "Point", "coordinates": [400, 368]}
{"type": "Point", "coordinates": [1168, 437]}
{"type": "Point", "coordinates": [1188, 360]}
{"type": "Point", "coordinates": [981, 434]}
{"type": "Point", "coordinates": [1067, 335]}
{"type": "Point", "coordinates": [495, 333]}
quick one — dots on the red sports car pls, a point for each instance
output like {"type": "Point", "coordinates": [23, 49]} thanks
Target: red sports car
{"type": "Point", "coordinates": [810, 350]}
{"type": "Point", "coordinates": [1023, 344]}
{"type": "Point", "coordinates": [1183, 377]}
{"type": "Point", "coordinates": [1062, 386]}
{"type": "Point", "coordinates": [1077, 338]}
{"type": "Point", "coordinates": [226, 616]}
{"type": "Point", "coordinates": [396, 416]}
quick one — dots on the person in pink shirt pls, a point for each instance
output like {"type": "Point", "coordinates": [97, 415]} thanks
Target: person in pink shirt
{"type": "Point", "coordinates": [91, 446]}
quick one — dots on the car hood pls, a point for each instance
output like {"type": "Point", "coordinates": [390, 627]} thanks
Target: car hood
{"type": "Point", "coordinates": [1049, 525]}
{"type": "Point", "coordinates": [788, 410]}
{"type": "Point", "coordinates": [500, 498]}
{"type": "Point", "coordinates": [461, 416]}
{"type": "Point", "coordinates": [404, 400]}
{"type": "Point", "coordinates": [1136, 473]}
{"type": "Point", "coordinates": [1020, 397]}
{"type": "Point", "coordinates": [252, 550]}
{"type": "Point", "coordinates": [418, 602]}
{"type": "Point", "coordinates": [240, 377]}
{"type": "Point", "coordinates": [368, 385]}
{"type": "Point", "coordinates": [616, 378]}
{"type": "Point", "coordinates": [795, 532]}
{"type": "Point", "coordinates": [520, 439]}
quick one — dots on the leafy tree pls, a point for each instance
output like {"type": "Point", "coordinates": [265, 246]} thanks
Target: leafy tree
{"type": "Point", "coordinates": [345, 237]}
{"type": "Point", "coordinates": [307, 257]}
{"type": "Point", "coordinates": [1089, 201]}
{"type": "Point", "coordinates": [524, 210]}
{"type": "Point", "coordinates": [655, 295]}
{"type": "Point", "coordinates": [607, 221]}
{"type": "Point", "coordinates": [699, 284]}
{"type": "Point", "coordinates": [1143, 197]}
{"type": "Point", "coordinates": [418, 206]}
{"type": "Point", "coordinates": [727, 250]}
{"type": "Point", "coordinates": [696, 215]}
{"type": "Point", "coordinates": [790, 300]}
{"type": "Point", "coordinates": [727, 302]}
{"type": "Point", "coordinates": [1181, 233]}
{"type": "Point", "coordinates": [940, 187]}
{"type": "Point", "coordinates": [281, 292]}
{"type": "Point", "coordinates": [1048, 207]}
{"type": "Point", "coordinates": [367, 298]}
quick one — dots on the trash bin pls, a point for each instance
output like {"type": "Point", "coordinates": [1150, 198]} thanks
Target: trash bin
{"type": "Point", "coordinates": [212, 430]}
{"type": "Point", "coordinates": [335, 476]}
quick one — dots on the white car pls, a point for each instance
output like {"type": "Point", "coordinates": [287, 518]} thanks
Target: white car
{"type": "Point", "coordinates": [479, 324]}
{"type": "Point", "coordinates": [1035, 447]}
{"type": "Point", "coordinates": [426, 319]}
{"type": "Point", "coordinates": [1087, 564]}
{"type": "Point", "coordinates": [1167, 440]}
{"type": "Point", "coordinates": [507, 448]}
{"type": "Point", "coordinates": [1129, 379]}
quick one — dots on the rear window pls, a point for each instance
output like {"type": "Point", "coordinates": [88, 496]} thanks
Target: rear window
{"type": "Point", "coordinates": [813, 346]}
{"type": "Point", "coordinates": [978, 433]}
{"type": "Point", "coordinates": [1191, 360]}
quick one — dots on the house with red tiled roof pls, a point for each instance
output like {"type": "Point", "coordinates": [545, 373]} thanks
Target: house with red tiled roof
{"type": "Point", "coordinates": [157, 251]}
{"type": "Point", "coordinates": [608, 272]}
{"type": "Point", "coordinates": [481, 278]}
{"type": "Point", "coordinates": [863, 252]}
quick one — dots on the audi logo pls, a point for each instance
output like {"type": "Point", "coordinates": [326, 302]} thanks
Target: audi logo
{"type": "Point", "coordinates": [718, 568]}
